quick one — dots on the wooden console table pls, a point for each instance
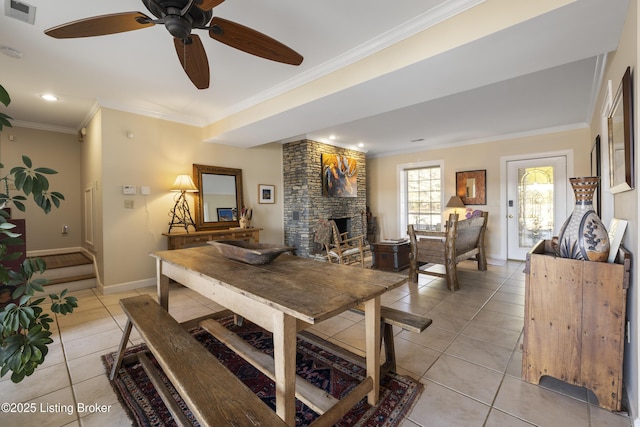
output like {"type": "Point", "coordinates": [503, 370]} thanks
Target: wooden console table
{"type": "Point", "coordinates": [199, 238]}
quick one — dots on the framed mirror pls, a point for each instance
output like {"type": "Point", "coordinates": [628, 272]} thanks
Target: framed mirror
{"type": "Point", "coordinates": [219, 196]}
{"type": "Point", "coordinates": [471, 187]}
{"type": "Point", "coordinates": [620, 129]}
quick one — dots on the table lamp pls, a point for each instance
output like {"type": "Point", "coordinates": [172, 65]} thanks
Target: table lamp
{"type": "Point", "coordinates": [455, 202]}
{"type": "Point", "coordinates": [181, 214]}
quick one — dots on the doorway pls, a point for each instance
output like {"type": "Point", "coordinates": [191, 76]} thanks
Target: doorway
{"type": "Point", "coordinates": [536, 202]}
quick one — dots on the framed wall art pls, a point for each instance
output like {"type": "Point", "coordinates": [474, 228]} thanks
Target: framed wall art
{"type": "Point", "coordinates": [471, 187]}
{"type": "Point", "coordinates": [266, 193]}
{"type": "Point", "coordinates": [225, 214]}
{"type": "Point", "coordinates": [621, 138]}
{"type": "Point", "coordinates": [339, 176]}
{"type": "Point", "coordinates": [596, 170]}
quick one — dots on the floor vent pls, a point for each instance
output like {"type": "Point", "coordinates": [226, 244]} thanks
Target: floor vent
{"type": "Point", "coordinates": [20, 11]}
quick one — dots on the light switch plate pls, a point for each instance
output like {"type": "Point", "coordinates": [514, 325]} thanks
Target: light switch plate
{"type": "Point", "coordinates": [128, 189]}
{"type": "Point", "coordinates": [145, 190]}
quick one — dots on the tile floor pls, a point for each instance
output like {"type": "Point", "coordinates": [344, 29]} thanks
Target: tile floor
{"type": "Point", "coordinates": [468, 359]}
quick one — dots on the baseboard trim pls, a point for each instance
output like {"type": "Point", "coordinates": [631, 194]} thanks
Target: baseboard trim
{"type": "Point", "coordinates": [129, 286]}
{"type": "Point", "coordinates": [57, 251]}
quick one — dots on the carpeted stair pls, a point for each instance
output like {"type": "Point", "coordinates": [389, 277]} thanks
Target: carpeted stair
{"type": "Point", "coordinates": [72, 271]}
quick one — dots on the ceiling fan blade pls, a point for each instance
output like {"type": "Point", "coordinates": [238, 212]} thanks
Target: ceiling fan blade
{"type": "Point", "coordinates": [208, 4]}
{"type": "Point", "coordinates": [100, 25]}
{"type": "Point", "coordinates": [252, 41]}
{"type": "Point", "coordinates": [194, 60]}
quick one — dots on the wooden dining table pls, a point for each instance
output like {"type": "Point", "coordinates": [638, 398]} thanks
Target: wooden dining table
{"type": "Point", "coordinates": [285, 296]}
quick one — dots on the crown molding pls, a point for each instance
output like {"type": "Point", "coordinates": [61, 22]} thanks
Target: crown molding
{"type": "Point", "coordinates": [495, 138]}
{"type": "Point", "coordinates": [401, 32]}
{"type": "Point", "coordinates": [44, 126]}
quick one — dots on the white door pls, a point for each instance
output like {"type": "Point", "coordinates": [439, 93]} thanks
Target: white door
{"type": "Point", "coordinates": [536, 202]}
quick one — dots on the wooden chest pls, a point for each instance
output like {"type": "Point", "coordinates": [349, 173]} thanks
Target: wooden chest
{"type": "Point", "coordinates": [390, 256]}
{"type": "Point", "coordinates": [574, 328]}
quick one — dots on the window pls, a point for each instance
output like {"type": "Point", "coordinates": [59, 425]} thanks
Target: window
{"type": "Point", "coordinates": [424, 197]}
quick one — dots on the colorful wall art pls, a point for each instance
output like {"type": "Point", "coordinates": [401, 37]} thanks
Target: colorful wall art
{"type": "Point", "coordinates": [339, 176]}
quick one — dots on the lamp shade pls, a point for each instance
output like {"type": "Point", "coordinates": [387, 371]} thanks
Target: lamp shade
{"type": "Point", "coordinates": [184, 183]}
{"type": "Point", "coordinates": [455, 202]}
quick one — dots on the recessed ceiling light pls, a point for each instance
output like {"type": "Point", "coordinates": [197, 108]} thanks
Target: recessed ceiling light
{"type": "Point", "coordinates": [49, 97]}
{"type": "Point", "coordinates": [11, 52]}
{"type": "Point", "coordinates": [417, 140]}
{"type": "Point", "coordinates": [332, 137]}
{"type": "Point", "coordinates": [361, 144]}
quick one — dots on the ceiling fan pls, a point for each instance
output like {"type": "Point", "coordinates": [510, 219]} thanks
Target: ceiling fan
{"type": "Point", "coordinates": [180, 17]}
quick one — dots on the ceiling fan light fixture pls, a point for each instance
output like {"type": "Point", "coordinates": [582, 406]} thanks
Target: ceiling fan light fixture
{"type": "Point", "coordinates": [178, 26]}
{"type": "Point", "coordinates": [180, 18]}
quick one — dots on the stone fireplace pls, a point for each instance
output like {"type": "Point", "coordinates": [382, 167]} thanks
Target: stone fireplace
{"type": "Point", "coordinates": [304, 204]}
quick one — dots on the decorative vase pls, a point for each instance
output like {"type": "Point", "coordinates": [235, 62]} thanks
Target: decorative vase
{"type": "Point", "coordinates": [583, 236]}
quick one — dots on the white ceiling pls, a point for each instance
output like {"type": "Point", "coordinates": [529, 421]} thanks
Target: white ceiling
{"type": "Point", "coordinates": [539, 75]}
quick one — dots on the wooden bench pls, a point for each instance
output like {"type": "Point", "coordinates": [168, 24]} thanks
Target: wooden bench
{"type": "Point", "coordinates": [461, 240]}
{"type": "Point", "coordinates": [215, 396]}
{"type": "Point", "coordinates": [390, 317]}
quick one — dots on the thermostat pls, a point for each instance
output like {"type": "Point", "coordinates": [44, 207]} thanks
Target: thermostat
{"type": "Point", "coordinates": [128, 189]}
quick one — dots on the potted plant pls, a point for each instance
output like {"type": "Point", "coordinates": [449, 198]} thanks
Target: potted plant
{"type": "Point", "coordinates": [24, 326]}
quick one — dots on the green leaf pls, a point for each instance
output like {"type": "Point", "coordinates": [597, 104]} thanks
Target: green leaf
{"type": "Point", "coordinates": [4, 96]}
{"type": "Point", "coordinates": [5, 369]}
{"type": "Point", "coordinates": [19, 292]}
{"type": "Point", "coordinates": [27, 161]}
{"type": "Point", "coordinates": [19, 205]}
{"type": "Point", "coordinates": [35, 286]}
{"type": "Point", "coordinates": [38, 302]}
{"type": "Point", "coordinates": [47, 171]}
{"type": "Point", "coordinates": [27, 186]}
{"type": "Point", "coordinates": [19, 177]}
{"type": "Point", "coordinates": [42, 264]}
{"type": "Point", "coordinates": [4, 121]}
{"type": "Point", "coordinates": [37, 355]}
{"type": "Point", "coordinates": [16, 377]}
{"type": "Point", "coordinates": [26, 354]}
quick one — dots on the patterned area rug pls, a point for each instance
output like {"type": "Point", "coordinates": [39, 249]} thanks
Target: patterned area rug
{"type": "Point", "coordinates": [324, 369]}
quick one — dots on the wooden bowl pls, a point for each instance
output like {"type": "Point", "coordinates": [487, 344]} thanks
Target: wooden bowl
{"type": "Point", "coordinates": [250, 253]}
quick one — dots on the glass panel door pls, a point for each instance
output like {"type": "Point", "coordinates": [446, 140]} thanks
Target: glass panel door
{"type": "Point", "coordinates": [536, 202]}
{"type": "Point", "coordinates": [535, 205]}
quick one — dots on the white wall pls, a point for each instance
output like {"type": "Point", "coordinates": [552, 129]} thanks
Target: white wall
{"type": "Point", "coordinates": [383, 195]}
{"type": "Point", "coordinates": [158, 151]}
{"type": "Point", "coordinates": [58, 151]}
{"type": "Point", "coordinates": [626, 204]}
